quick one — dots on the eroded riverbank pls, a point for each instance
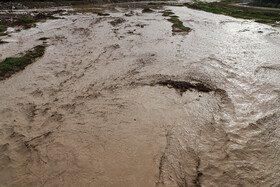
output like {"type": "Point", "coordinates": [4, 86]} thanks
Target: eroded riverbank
{"type": "Point", "coordinates": [122, 104]}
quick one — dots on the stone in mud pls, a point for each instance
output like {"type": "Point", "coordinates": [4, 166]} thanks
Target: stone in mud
{"type": "Point", "coordinates": [140, 25]}
{"type": "Point", "coordinates": [103, 14]}
{"type": "Point", "coordinates": [117, 21]}
{"type": "Point", "coordinates": [43, 38]}
{"type": "Point", "coordinates": [147, 10]}
{"type": "Point", "coordinates": [41, 16]}
{"type": "Point", "coordinates": [129, 14]}
{"type": "Point", "coordinates": [3, 42]}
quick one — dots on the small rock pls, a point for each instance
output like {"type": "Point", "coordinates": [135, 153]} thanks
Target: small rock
{"type": "Point", "coordinates": [103, 14]}
{"type": "Point", "coordinates": [117, 21]}
{"type": "Point", "coordinates": [147, 10]}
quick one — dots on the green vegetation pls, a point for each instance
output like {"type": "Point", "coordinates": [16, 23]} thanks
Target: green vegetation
{"type": "Point", "coordinates": [177, 24]}
{"type": "Point", "coordinates": [167, 13]}
{"type": "Point", "coordinates": [266, 3]}
{"type": "Point", "coordinates": [24, 21]}
{"type": "Point", "coordinates": [27, 20]}
{"type": "Point", "coordinates": [14, 64]}
{"type": "Point", "coordinates": [263, 16]}
{"type": "Point", "coordinates": [2, 30]}
{"type": "Point", "coordinates": [3, 34]}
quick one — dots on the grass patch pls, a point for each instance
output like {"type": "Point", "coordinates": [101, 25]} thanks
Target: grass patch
{"type": "Point", "coordinates": [177, 24]}
{"type": "Point", "coordinates": [12, 65]}
{"type": "Point", "coordinates": [167, 13]}
{"type": "Point", "coordinates": [174, 20]}
{"type": "Point", "coordinates": [14, 20]}
{"type": "Point", "coordinates": [3, 34]}
{"type": "Point", "coordinates": [263, 16]}
{"type": "Point", "coordinates": [178, 27]}
{"type": "Point", "coordinates": [27, 20]}
{"type": "Point", "coordinates": [3, 28]}
{"type": "Point", "coordinates": [270, 4]}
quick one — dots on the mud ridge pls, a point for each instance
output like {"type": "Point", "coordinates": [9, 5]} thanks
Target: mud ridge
{"type": "Point", "coordinates": [198, 174]}
{"type": "Point", "coordinates": [28, 143]}
{"type": "Point", "coordinates": [183, 86]}
{"type": "Point", "coordinates": [162, 159]}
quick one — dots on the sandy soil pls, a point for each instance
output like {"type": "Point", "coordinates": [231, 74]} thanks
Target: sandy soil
{"type": "Point", "coordinates": [90, 111]}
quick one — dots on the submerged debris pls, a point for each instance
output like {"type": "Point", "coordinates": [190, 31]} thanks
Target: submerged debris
{"type": "Point", "coordinates": [183, 86]}
{"type": "Point", "coordinates": [3, 42]}
{"type": "Point", "coordinates": [103, 14]}
{"type": "Point", "coordinates": [117, 21]}
{"type": "Point", "coordinates": [43, 38]}
{"type": "Point", "coordinates": [41, 16]}
{"type": "Point", "coordinates": [147, 10]}
{"type": "Point", "coordinates": [140, 25]}
{"type": "Point", "coordinates": [129, 14]}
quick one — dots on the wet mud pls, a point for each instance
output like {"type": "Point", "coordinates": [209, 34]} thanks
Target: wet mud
{"type": "Point", "coordinates": [101, 106]}
{"type": "Point", "coordinates": [184, 86]}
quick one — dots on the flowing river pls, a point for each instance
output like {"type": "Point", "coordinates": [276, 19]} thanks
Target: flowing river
{"type": "Point", "coordinates": [103, 107]}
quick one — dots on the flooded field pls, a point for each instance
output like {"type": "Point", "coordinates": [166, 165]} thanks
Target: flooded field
{"type": "Point", "coordinates": [119, 99]}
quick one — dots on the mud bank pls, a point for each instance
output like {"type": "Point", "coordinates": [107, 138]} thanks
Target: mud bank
{"type": "Point", "coordinates": [35, 5]}
{"type": "Point", "coordinates": [132, 104]}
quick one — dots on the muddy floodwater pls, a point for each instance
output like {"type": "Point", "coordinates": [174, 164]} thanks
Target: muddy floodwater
{"type": "Point", "coordinates": [119, 100]}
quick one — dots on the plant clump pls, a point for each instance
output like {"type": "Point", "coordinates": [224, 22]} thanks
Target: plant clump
{"type": "Point", "coordinates": [167, 13]}
{"type": "Point", "coordinates": [27, 20]}
{"type": "Point", "coordinates": [178, 25]}
{"type": "Point", "coordinates": [2, 30]}
{"type": "Point", "coordinates": [14, 64]}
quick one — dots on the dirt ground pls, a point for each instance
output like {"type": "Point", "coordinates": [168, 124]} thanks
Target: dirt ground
{"type": "Point", "coordinates": [120, 100]}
